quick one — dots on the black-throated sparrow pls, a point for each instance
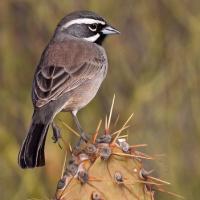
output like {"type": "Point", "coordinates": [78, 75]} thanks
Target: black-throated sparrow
{"type": "Point", "coordinates": [68, 76]}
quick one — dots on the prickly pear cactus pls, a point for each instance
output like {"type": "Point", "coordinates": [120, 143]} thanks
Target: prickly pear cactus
{"type": "Point", "coordinates": [106, 167]}
{"type": "Point", "coordinates": [104, 170]}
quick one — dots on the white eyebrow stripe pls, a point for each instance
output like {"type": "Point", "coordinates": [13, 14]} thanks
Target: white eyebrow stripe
{"type": "Point", "coordinates": [92, 38]}
{"type": "Point", "coordinates": [83, 21]}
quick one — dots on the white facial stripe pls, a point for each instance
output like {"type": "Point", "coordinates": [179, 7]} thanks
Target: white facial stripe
{"type": "Point", "coordinates": [92, 38]}
{"type": "Point", "coordinates": [83, 21]}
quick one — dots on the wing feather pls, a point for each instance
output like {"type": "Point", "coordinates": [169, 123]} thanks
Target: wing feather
{"type": "Point", "coordinates": [52, 81]}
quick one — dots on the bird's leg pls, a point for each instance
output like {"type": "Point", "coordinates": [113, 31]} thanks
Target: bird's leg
{"type": "Point", "coordinates": [83, 135]}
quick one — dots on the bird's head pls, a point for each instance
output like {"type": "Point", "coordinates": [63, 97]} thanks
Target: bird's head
{"type": "Point", "coordinates": [85, 25]}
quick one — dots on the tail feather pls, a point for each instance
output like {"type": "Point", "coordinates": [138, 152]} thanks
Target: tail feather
{"type": "Point", "coordinates": [32, 151]}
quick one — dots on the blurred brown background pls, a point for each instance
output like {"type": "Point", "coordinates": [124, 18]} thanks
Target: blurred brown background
{"type": "Point", "coordinates": [154, 72]}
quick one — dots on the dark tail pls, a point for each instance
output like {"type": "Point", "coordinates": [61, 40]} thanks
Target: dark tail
{"type": "Point", "coordinates": [32, 150]}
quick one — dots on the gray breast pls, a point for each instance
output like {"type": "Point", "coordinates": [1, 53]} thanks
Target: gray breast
{"type": "Point", "coordinates": [82, 95]}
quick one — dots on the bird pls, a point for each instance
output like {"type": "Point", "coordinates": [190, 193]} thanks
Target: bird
{"type": "Point", "coordinates": [69, 74]}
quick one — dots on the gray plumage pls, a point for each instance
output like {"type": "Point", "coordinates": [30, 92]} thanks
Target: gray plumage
{"type": "Point", "coordinates": [65, 67]}
{"type": "Point", "coordinates": [67, 78]}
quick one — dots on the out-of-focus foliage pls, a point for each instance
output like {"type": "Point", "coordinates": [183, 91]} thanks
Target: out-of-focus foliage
{"type": "Point", "coordinates": [154, 71]}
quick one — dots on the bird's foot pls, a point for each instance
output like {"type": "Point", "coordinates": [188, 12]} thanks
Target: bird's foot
{"type": "Point", "coordinates": [56, 134]}
{"type": "Point", "coordinates": [84, 137]}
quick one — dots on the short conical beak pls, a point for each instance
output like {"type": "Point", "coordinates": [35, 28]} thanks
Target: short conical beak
{"type": "Point", "coordinates": [108, 30]}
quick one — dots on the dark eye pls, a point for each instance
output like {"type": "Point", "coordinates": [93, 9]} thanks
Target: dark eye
{"type": "Point", "coordinates": [93, 27]}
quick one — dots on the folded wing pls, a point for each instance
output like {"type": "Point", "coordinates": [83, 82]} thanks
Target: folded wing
{"type": "Point", "coordinates": [52, 81]}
